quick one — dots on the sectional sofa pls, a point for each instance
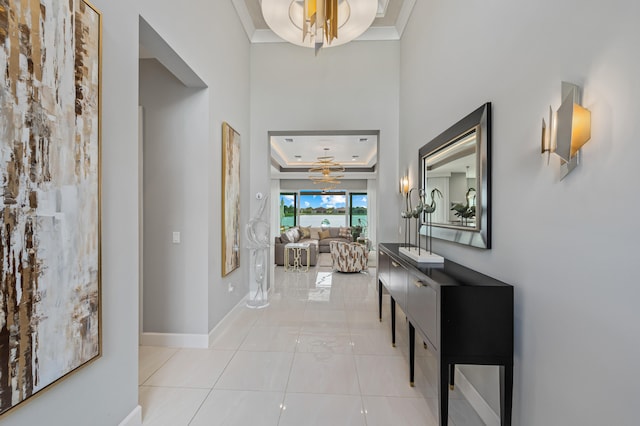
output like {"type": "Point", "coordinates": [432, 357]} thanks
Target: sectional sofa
{"type": "Point", "coordinates": [318, 238]}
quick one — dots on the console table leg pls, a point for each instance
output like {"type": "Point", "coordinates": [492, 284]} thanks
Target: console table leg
{"type": "Point", "coordinates": [393, 322]}
{"type": "Point", "coordinates": [452, 373]}
{"type": "Point", "coordinates": [380, 300]}
{"type": "Point", "coordinates": [412, 353]}
{"type": "Point", "coordinates": [506, 394]}
{"type": "Point", "coordinates": [443, 395]}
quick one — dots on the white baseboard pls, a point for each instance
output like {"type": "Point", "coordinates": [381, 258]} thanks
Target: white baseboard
{"type": "Point", "coordinates": [134, 418]}
{"type": "Point", "coordinates": [217, 327]}
{"type": "Point", "coordinates": [175, 340]}
{"type": "Point", "coordinates": [183, 340]}
{"type": "Point", "coordinates": [486, 413]}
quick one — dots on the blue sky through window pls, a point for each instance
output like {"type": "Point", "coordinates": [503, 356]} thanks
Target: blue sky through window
{"type": "Point", "coordinates": [323, 200]}
{"type": "Point", "coordinates": [359, 201]}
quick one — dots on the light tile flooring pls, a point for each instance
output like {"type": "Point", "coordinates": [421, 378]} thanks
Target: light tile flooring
{"type": "Point", "coordinates": [317, 355]}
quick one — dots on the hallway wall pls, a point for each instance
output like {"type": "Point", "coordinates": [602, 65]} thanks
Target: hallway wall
{"type": "Point", "coordinates": [570, 246]}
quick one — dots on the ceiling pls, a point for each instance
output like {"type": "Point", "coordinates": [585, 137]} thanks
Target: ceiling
{"type": "Point", "coordinates": [389, 24]}
{"type": "Point", "coordinates": [296, 152]}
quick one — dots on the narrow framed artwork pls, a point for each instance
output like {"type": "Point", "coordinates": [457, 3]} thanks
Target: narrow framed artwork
{"type": "Point", "coordinates": [50, 88]}
{"type": "Point", "coordinates": [230, 199]}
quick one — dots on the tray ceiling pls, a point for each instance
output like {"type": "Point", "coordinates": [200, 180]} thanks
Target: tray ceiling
{"type": "Point", "coordinates": [295, 153]}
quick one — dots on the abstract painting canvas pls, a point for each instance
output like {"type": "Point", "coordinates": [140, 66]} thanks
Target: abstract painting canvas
{"type": "Point", "coordinates": [50, 196]}
{"type": "Point", "coordinates": [230, 199]}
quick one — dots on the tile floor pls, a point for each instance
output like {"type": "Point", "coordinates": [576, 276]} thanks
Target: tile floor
{"type": "Point", "coordinates": [317, 355]}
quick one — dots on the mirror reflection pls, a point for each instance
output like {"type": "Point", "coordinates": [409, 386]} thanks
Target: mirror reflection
{"type": "Point", "coordinates": [458, 164]}
{"type": "Point", "coordinates": [452, 169]}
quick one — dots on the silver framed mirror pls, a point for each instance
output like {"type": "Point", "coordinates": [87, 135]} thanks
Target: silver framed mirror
{"type": "Point", "coordinates": [455, 174]}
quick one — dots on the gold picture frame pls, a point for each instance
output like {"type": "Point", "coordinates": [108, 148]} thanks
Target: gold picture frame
{"type": "Point", "coordinates": [230, 199]}
{"type": "Point", "coordinates": [50, 241]}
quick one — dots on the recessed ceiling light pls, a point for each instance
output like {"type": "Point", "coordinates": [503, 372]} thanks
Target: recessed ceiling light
{"type": "Point", "coordinates": [354, 157]}
{"type": "Point", "coordinates": [298, 157]}
{"type": "Point", "coordinates": [288, 140]}
{"type": "Point", "coordinates": [364, 139]}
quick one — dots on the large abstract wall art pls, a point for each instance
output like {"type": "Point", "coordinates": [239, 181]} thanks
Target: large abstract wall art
{"type": "Point", "coordinates": [50, 196]}
{"type": "Point", "coordinates": [230, 199]}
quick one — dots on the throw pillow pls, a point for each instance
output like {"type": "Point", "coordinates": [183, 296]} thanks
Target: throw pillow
{"type": "Point", "coordinates": [284, 238]}
{"type": "Point", "coordinates": [344, 233]}
{"type": "Point", "coordinates": [292, 235]}
{"type": "Point", "coordinates": [324, 234]}
{"type": "Point", "coordinates": [305, 232]}
{"type": "Point", "coordinates": [315, 233]}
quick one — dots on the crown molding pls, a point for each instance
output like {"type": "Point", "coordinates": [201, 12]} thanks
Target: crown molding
{"type": "Point", "coordinates": [266, 36]}
{"type": "Point", "coordinates": [403, 17]}
{"type": "Point", "coordinates": [380, 34]}
{"type": "Point", "coordinates": [245, 18]}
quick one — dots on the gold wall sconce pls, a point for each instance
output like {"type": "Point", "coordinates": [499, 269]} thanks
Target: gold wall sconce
{"type": "Point", "coordinates": [569, 129]}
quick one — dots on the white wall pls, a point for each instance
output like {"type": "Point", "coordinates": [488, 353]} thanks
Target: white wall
{"type": "Point", "coordinates": [569, 247]}
{"type": "Point", "coordinates": [175, 183]}
{"type": "Point", "coordinates": [210, 39]}
{"type": "Point", "coordinates": [106, 391]}
{"type": "Point", "coordinates": [351, 87]}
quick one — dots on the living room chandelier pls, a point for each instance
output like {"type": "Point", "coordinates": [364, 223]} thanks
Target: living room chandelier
{"type": "Point", "coordinates": [319, 23]}
{"type": "Point", "coordinates": [326, 166]}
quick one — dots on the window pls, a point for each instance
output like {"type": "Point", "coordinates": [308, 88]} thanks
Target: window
{"type": "Point", "coordinates": [318, 208]}
{"type": "Point", "coordinates": [287, 210]}
{"type": "Point", "coordinates": [358, 210]}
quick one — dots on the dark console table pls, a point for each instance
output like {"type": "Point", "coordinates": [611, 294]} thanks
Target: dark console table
{"type": "Point", "coordinates": [463, 316]}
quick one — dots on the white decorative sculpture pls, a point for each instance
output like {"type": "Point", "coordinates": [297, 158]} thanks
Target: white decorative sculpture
{"type": "Point", "coordinates": [257, 233]}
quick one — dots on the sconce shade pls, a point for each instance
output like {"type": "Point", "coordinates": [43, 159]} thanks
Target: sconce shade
{"type": "Point", "coordinates": [581, 131]}
{"type": "Point", "coordinates": [404, 185]}
{"type": "Point", "coordinates": [573, 128]}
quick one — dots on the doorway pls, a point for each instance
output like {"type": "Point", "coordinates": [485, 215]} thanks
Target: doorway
{"type": "Point", "coordinates": [294, 155]}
